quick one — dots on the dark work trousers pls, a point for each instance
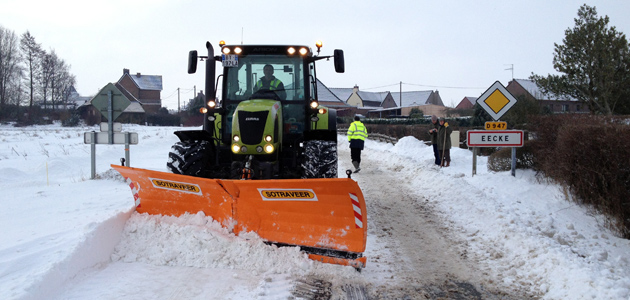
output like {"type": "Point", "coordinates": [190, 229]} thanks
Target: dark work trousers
{"type": "Point", "coordinates": [437, 154]}
{"type": "Point", "coordinates": [447, 155]}
{"type": "Point", "coordinates": [355, 154]}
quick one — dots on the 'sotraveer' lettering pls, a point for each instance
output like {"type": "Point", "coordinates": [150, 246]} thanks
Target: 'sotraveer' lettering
{"type": "Point", "coordinates": [177, 186]}
{"type": "Point", "coordinates": [288, 194]}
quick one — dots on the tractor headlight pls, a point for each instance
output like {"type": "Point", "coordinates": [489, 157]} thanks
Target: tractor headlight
{"type": "Point", "coordinates": [236, 138]}
{"type": "Point", "coordinates": [203, 110]}
{"type": "Point", "coordinates": [303, 51]}
{"type": "Point", "coordinates": [268, 138]}
{"type": "Point", "coordinates": [226, 50]}
{"type": "Point", "coordinates": [212, 103]}
{"type": "Point", "coordinates": [314, 104]}
{"type": "Point", "coordinates": [238, 50]}
{"type": "Point", "coordinates": [322, 111]}
{"type": "Point", "coordinates": [236, 148]}
{"type": "Point", "coordinates": [291, 50]}
{"type": "Point", "coordinates": [269, 148]}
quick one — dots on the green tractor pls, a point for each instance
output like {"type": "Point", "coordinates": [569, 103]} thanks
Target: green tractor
{"type": "Point", "coordinates": [267, 122]}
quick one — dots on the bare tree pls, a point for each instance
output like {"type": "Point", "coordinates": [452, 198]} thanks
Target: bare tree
{"type": "Point", "coordinates": [10, 72]}
{"type": "Point", "coordinates": [55, 80]}
{"type": "Point", "coordinates": [31, 53]}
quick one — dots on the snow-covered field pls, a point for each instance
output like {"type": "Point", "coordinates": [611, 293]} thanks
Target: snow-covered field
{"type": "Point", "coordinates": [65, 236]}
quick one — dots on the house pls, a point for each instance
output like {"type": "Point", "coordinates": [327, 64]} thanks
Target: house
{"type": "Point", "coordinates": [361, 102]}
{"type": "Point", "coordinates": [548, 101]}
{"type": "Point", "coordinates": [146, 89]}
{"type": "Point", "coordinates": [467, 103]}
{"type": "Point", "coordinates": [328, 98]}
{"type": "Point", "coordinates": [71, 100]}
{"type": "Point", "coordinates": [133, 113]}
{"type": "Point", "coordinates": [429, 102]}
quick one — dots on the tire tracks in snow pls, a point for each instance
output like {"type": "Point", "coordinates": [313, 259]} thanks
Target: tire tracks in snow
{"type": "Point", "coordinates": [417, 257]}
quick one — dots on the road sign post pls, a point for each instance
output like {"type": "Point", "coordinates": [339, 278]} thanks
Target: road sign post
{"type": "Point", "coordinates": [111, 103]}
{"type": "Point", "coordinates": [496, 101]}
{"type": "Point", "coordinates": [106, 136]}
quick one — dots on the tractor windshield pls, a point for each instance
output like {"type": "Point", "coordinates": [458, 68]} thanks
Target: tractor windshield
{"type": "Point", "coordinates": [276, 77]}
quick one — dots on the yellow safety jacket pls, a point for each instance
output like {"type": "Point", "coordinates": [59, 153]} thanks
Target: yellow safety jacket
{"type": "Point", "coordinates": [357, 131]}
{"type": "Point", "coordinates": [273, 84]}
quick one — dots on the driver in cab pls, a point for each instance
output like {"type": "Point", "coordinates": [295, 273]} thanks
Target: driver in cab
{"type": "Point", "coordinates": [270, 83]}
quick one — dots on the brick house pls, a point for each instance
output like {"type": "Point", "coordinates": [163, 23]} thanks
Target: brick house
{"type": "Point", "coordinates": [467, 103]}
{"type": "Point", "coordinates": [550, 102]}
{"type": "Point", "coordinates": [146, 89]}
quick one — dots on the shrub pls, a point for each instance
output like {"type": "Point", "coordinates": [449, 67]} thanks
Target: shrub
{"type": "Point", "coordinates": [501, 160]}
{"type": "Point", "coordinates": [589, 156]}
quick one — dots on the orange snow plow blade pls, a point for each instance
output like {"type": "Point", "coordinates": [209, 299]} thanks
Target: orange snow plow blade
{"type": "Point", "coordinates": [326, 218]}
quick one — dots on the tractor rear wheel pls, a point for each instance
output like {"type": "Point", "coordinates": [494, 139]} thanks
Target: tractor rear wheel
{"type": "Point", "coordinates": [191, 158]}
{"type": "Point", "coordinates": [320, 159]}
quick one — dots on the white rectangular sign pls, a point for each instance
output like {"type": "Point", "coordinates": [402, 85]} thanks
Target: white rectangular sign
{"type": "Point", "coordinates": [495, 138]}
{"type": "Point", "coordinates": [117, 126]}
{"type": "Point", "coordinates": [103, 138]}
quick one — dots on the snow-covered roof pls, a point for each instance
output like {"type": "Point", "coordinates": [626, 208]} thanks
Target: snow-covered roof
{"type": "Point", "coordinates": [144, 82]}
{"type": "Point", "coordinates": [531, 87]}
{"type": "Point", "coordinates": [414, 98]}
{"type": "Point", "coordinates": [342, 93]}
{"type": "Point", "coordinates": [324, 94]}
{"type": "Point", "coordinates": [472, 100]}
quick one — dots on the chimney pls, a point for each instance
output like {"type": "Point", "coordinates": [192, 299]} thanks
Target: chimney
{"type": "Point", "coordinates": [138, 74]}
{"type": "Point", "coordinates": [355, 88]}
{"type": "Point", "coordinates": [125, 71]}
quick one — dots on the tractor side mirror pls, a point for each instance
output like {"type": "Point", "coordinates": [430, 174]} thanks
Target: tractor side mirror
{"type": "Point", "coordinates": [192, 62]}
{"type": "Point", "coordinates": [339, 61]}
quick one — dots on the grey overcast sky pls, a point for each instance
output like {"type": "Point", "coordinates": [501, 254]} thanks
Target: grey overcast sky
{"type": "Point", "coordinates": [459, 48]}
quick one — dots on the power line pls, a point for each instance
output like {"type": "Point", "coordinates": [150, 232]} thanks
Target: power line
{"type": "Point", "coordinates": [446, 87]}
{"type": "Point", "coordinates": [175, 92]}
{"type": "Point", "coordinates": [426, 85]}
{"type": "Point", "coordinates": [378, 87]}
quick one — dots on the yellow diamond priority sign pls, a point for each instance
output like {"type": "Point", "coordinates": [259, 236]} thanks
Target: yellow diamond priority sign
{"type": "Point", "coordinates": [496, 100]}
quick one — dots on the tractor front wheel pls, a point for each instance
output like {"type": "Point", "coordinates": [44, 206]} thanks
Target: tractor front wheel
{"type": "Point", "coordinates": [193, 158]}
{"type": "Point", "coordinates": [320, 159]}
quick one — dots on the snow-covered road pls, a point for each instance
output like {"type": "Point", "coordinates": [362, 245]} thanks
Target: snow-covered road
{"type": "Point", "coordinates": [432, 232]}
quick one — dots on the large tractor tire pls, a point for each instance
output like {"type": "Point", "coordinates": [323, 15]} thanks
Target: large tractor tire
{"type": "Point", "coordinates": [191, 158]}
{"type": "Point", "coordinates": [320, 159]}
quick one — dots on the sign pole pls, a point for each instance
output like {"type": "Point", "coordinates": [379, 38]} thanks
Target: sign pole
{"type": "Point", "coordinates": [127, 149]}
{"type": "Point", "coordinates": [93, 172]}
{"type": "Point", "coordinates": [110, 117]}
{"type": "Point", "coordinates": [514, 161]}
{"type": "Point", "coordinates": [474, 170]}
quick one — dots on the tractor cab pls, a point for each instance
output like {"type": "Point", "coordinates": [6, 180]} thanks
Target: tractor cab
{"type": "Point", "coordinates": [284, 74]}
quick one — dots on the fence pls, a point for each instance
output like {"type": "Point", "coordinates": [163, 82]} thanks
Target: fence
{"type": "Point", "coordinates": [373, 136]}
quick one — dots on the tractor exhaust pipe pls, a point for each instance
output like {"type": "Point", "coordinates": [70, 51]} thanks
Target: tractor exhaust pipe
{"type": "Point", "coordinates": [210, 92]}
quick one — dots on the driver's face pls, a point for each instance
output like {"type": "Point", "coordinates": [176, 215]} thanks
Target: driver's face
{"type": "Point", "coordinates": [268, 71]}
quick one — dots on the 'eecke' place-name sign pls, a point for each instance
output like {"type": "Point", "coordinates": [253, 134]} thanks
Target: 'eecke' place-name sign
{"type": "Point", "coordinates": [495, 138]}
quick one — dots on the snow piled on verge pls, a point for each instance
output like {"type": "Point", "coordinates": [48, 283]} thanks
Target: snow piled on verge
{"type": "Point", "coordinates": [200, 242]}
{"type": "Point", "coordinates": [519, 230]}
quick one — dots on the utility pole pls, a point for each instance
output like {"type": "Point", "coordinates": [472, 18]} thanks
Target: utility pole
{"type": "Point", "coordinates": [400, 98]}
{"type": "Point", "coordinates": [178, 105]}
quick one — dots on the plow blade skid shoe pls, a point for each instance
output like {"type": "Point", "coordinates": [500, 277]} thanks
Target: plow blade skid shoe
{"type": "Point", "coordinates": [326, 218]}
